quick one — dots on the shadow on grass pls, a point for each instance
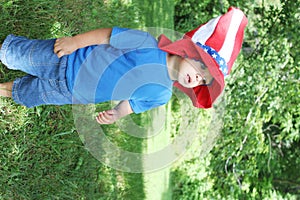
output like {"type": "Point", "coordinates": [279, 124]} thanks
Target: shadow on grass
{"type": "Point", "coordinates": [41, 154]}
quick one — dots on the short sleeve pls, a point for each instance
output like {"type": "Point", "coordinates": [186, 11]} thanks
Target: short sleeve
{"type": "Point", "coordinates": [142, 106]}
{"type": "Point", "coordinates": [124, 38]}
{"type": "Point", "coordinates": [153, 97]}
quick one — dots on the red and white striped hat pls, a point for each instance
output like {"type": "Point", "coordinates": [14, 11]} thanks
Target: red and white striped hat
{"type": "Point", "coordinates": [217, 44]}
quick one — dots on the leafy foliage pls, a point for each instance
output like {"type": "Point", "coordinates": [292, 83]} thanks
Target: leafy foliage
{"type": "Point", "coordinates": [256, 156]}
{"type": "Point", "coordinates": [190, 14]}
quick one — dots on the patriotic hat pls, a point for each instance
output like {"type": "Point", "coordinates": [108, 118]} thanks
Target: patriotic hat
{"type": "Point", "coordinates": [217, 44]}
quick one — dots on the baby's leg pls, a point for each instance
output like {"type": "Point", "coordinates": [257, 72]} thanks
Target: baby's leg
{"type": "Point", "coordinates": [6, 89]}
{"type": "Point", "coordinates": [35, 57]}
{"type": "Point", "coordinates": [32, 91]}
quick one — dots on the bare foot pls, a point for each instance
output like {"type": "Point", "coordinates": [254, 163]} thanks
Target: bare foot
{"type": "Point", "coordinates": [6, 89]}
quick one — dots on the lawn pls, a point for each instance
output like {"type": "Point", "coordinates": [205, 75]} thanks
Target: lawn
{"type": "Point", "coordinates": [41, 153]}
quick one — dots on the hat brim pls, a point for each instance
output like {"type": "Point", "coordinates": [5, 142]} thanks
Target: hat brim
{"type": "Point", "coordinates": [202, 96]}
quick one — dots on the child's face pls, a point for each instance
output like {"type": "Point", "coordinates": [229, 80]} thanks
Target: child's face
{"type": "Point", "coordinates": [193, 73]}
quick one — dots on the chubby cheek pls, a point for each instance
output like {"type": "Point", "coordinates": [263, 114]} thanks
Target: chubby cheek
{"type": "Point", "coordinates": [182, 81]}
{"type": "Point", "coordinates": [195, 85]}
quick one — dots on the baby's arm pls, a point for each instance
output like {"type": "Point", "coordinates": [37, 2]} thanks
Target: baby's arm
{"type": "Point", "coordinates": [110, 116]}
{"type": "Point", "coordinates": [67, 45]}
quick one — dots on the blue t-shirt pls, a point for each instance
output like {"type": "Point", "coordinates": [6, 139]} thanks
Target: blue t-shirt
{"type": "Point", "coordinates": [131, 68]}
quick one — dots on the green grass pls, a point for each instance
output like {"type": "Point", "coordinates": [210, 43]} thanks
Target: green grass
{"type": "Point", "coordinates": [157, 182]}
{"type": "Point", "coordinates": [41, 154]}
{"type": "Point", "coordinates": [157, 13]}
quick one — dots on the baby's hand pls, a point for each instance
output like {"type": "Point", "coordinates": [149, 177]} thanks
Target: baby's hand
{"type": "Point", "coordinates": [64, 46]}
{"type": "Point", "coordinates": [108, 117]}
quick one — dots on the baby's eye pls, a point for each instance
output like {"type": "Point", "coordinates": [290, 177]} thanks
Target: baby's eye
{"type": "Point", "coordinates": [203, 66]}
{"type": "Point", "coordinates": [201, 79]}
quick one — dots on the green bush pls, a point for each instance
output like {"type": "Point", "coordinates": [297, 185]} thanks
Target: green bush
{"type": "Point", "coordinates": [257, 156]}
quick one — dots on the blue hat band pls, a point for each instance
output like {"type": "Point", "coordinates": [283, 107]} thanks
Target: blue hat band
{"type": "Point", "coordinates": [216, 56]}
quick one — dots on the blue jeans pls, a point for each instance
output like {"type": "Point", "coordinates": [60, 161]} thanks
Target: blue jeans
{"type": "Point", "coordinates": [45, 82]}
